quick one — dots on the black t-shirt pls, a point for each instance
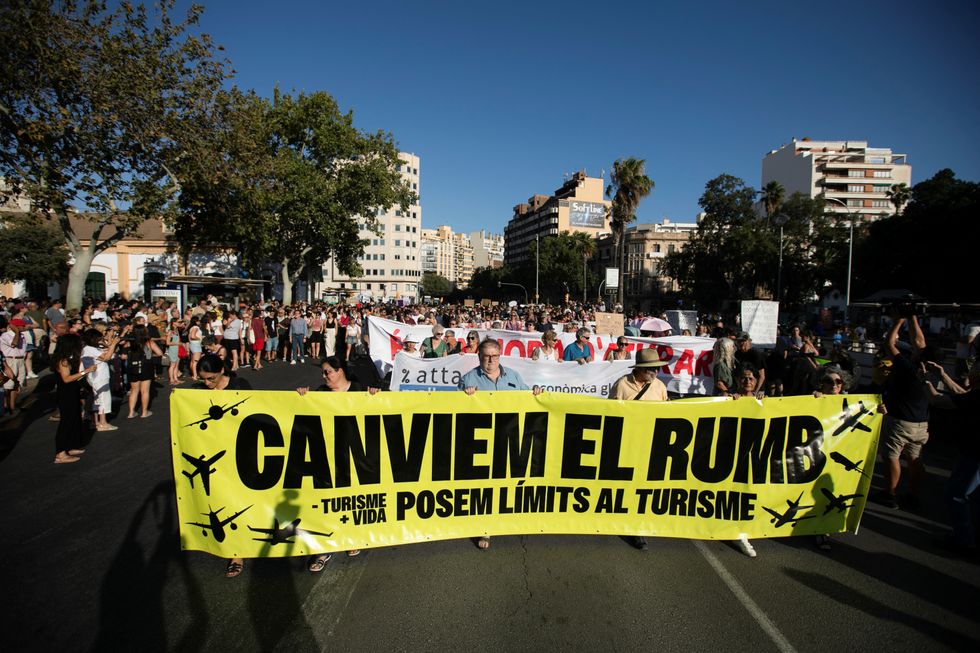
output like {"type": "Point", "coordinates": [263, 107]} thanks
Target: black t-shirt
{"type": "Point", "coordinates": [355, 386]}
{"type": "Point", "coordinates": [270, 326]}
{"type": "Point", "coordinates": [235, 382]}
{"type": "Point", "coordinates": [754, 357]}
{"type": "Point", "coordinates": [906, 396]}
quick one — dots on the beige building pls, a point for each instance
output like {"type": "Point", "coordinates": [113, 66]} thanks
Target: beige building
{"type": "Point", "coordinates": [845, 172]}
{"type": "Point", "coordinates": [578, 205]}
{"type": "Point", "coordinates": [488, 249]}
{"type": "Point", "coordinates": [392, 259]}
{"type": "Point", "coordinates": [645, 248]}
{"type": "Point", "coordinates": [447, 254]}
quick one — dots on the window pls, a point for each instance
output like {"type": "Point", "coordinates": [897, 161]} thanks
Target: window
{"type": "Point", "coordinates": [855, 188]}
{"type": "Point", "coordinates": [670, 249]}
{"type": "Point", "coordinates": [415, 171]}
{"type": "Point", "coordinates": [855, 173]}
{"type": "Point", "coordinates": [368, 286]}
{"type": "Point", "coordinates": [414, 214]}
{"type": "Point", "coordinates": [883, 174]}
{"type": "Point", "coordinates": [880, 203]}
{"type": "Point", "coordinates": [341, 285]}
{"type": "Point", "coordinates": [398, 214]}
{"type": "Point", "coordinates": [415, 186]}
{"type": "Point", "coordinates": [398, 257]}
{"type": "Point", "coordinates": [656, 248]}
{"type": "Point", "coordinates": [393, 286]}
{"type": "Point", "coordinates": [374, 241]}
{"type": "Point", "coordinates": [398, 227]}
{"type": "Point", "coordinates": [95, 285]}
{"type": "Point", "coordinates": [855, 202]}
{"type": "Point", "coordinates": [382, 257]}
{"type": "Point", "coordinates": [398, 243]}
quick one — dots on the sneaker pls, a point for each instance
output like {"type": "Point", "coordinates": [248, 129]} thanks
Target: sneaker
{"type": "Point", "coordinates": [743, 545]}
{"type": "Point", "coordinates": [32, 375]}
{"type": "Point", "coordinates": [244, 365]}
{"type": "Point", "coordinates": [302, 360]}
{"type": "Point", "coordinates": [292, 362]}
{"type": "Point", "coordinates": [109, 427]}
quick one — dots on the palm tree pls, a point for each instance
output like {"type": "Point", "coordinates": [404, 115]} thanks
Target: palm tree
{"type": "Point", "coordinates": [629, 184]}
{"type": "Point", "coordinates": [899, 194]}
{"type": "Point", "coordinates": [772, 198]}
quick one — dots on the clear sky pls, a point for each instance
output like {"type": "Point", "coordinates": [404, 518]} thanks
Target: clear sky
{"type": "Point", "coordinates": [502, 99]}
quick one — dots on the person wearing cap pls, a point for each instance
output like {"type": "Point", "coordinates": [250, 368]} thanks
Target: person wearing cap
{"type": "Point", "coordinates": [746, 355]}
{"type": "Point", "coordinates": [579, 351]}
{"type": "Point", "coordinates": [14, 350]}
{"type": "Point", "coordinates": [411, 346]}
{"type": "Point", "coordinates": [641, 384]}
{"type": "Point", "coordinates": [435, 346]}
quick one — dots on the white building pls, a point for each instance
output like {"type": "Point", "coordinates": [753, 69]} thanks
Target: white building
{"type": "Point", "coordinates": [854, 178]}
{"type": "Point", "coordinates": [392, 259]}
{"type": "Point", "coordinates": [488, 249]}
{"type": "Point", "coordinates": [448, 254]}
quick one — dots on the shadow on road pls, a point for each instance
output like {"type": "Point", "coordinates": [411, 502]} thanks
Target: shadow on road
{"type": "Point", "coordinates": [874, 608]}
{"type": "Point", "coordinates": [132, 610]}
{"type": "Point", "coordinates": [38, 405]}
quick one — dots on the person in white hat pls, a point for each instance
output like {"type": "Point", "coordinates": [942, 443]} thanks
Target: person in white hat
{"type": "Point", "coordinates": [642, 383]}
{"type": "Point", "coordinates": [411, 346]}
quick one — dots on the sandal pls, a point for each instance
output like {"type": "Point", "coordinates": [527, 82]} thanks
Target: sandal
{"type": "Point", "coordinates": [234, 568]}
{"type": "Point", "coordinates": [353, 552]}
{"type": "Point", "coordinates": [58, 460]}
{"type": "Point", "coordinates": [319, 562]}
{"type": "Point", "coordinates": [75, 452]}
{"type": "Point", "coordinates": [483, 543]}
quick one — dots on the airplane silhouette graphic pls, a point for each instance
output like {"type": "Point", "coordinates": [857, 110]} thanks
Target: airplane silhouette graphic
{"type": "Point", "coordinates": [217, 526]}
{"type": "Point", "coordinates": [788, 517]}
{"type": "Point", "coordinates": [838, 502]}
{"type": "Point", "coordinates": [202, 468]}
{"type": "Point", "coordinates": [284, 535]}
{"type": "Point", "coordinates": [217, 412]}
{"type": "Point", "coordinates": [852, 421]}
{"type": "Point", "coordinates": [847, 463]}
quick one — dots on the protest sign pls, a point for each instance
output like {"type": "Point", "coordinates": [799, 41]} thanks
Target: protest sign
{"type": "Point", "coordinates": [611, 323]}
{"type": "Point", "coordinates": [680, 320]}
{"type": "Point", "coordinates": [688, 372]}
{"type": "Point", "coordinates": [272, 474]}
{"type": "Point", "coordinates": [761, 320]}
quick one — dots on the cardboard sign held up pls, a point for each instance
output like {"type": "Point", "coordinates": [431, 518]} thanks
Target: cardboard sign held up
{"type": "Point", "coordinates": [469, 303]}
{"type": "Point", "coordinates": [611, 323]}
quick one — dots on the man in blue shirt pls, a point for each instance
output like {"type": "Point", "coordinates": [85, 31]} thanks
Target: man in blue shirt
{"type": "Point", "coordinates": [579, 351]}
{"type": "Point", "coordinates": [490, 374]}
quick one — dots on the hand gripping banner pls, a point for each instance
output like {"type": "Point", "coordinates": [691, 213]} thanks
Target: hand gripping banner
{"type": "Point", "coordinates": [279, 474]}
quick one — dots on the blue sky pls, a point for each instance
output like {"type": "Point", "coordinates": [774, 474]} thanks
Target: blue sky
{"type": "Point", "coordinates": [502, 99]}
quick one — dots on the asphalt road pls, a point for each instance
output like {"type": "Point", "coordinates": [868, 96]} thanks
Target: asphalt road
{"type": "Point", "coordinates": [89, 560]}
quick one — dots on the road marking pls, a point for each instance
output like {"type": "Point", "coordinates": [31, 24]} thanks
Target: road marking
{"type": "Point", "coordinates": [743, 597]}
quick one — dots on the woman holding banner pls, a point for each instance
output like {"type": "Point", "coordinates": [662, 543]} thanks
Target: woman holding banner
{"type": "Point", "coordinates": [334, 380]}
{"type": "Point", "coordinates": [212, 376]}
{"type": "Point", "coordinates": [547, 351]}
{"type": "Point", "coordinates": [472, 343]}
{"type": "Point", "coordinates": [723, 366]}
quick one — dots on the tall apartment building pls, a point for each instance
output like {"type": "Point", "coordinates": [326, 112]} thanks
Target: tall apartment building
{"type": "Point", "coordinates": [488, 249]}
{"type": "Point", "coordinates": [854, 178]}
{"type": "Point", "coordinates": [578, 205]}
{"type": "Point", "coordinates": [392, 260]}
{"type": "Point", "coordinates": [645, 248]}
{"type": "Point", "coordinates": [447, 254]}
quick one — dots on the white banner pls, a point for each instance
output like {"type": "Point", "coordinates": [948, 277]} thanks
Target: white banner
{"type": "Point", "coordinates": [689, 370]}
{"type": "Point", "coordinates": [434, 374]}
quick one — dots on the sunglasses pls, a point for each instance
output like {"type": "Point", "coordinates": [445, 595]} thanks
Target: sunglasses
{"type": "Point", "coordinates": [471, 338]}
{"type": "Point", "coordinates": [833, 381]}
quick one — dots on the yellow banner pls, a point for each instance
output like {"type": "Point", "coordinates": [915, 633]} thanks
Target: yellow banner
{"type": "Point", "coordinates": [279, 474]}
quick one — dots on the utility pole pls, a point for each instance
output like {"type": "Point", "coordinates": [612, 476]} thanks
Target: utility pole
{"type": "Point", "coordinates": [537, 266]}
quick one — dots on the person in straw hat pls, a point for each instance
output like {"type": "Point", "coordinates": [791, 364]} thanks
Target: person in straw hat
{"type": "Point", "coordinates": [642, 383]}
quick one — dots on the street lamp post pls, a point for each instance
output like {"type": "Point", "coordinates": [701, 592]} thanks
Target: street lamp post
{"type": "Point", "coordinates": [781, 220]}
{"type": "Point", "coordinates": [537, 267]}
{"type": "Point", "coordinates": [850, 256]}
{"type": "Point", "coordinates": [504, 283]}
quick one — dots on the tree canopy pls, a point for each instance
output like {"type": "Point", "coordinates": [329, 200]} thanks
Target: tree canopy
{"type": "Point", "coordinates": [97, 108]}
{"type": "Point", "coordinates": [33, 251]}
{"type": "Point", "coordinates": [629, 184]}
{"type": "Point", "coordinates": [287, 181]}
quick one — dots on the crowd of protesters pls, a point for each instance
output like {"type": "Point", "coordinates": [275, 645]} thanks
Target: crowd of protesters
{"type": "Point", "coordinates": [120, 348]}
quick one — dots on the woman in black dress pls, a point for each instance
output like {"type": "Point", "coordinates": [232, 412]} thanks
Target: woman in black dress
{"type": "Point", "coordinates": [334, 380]}
{"type": "Point", "coordinates": [212, 376]}
{"type": "Point", "coordinates": [66, 362]}
{"type": "Point", "coordinates": [139, 369]}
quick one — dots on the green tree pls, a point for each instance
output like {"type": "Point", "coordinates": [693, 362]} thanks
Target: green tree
{"type": "Point", "coordinates": [33, 251]}
{"type": "Point", "coordinates": [929, 247]}
{"type": "Point", "coordinates": [564, 259]}
{"type": "Point", "coordinates": [772, 198]}
{"type": "Point", "coordinates": [436, 285]}
{"type": "Point", "coordinates": [899, 194]}
{"type": "Point", "coordinates": [97, 107]}
{"type": "Point", "coordinates": [629, 185]}
{"type": "Point", "coordinates": [311, 176]}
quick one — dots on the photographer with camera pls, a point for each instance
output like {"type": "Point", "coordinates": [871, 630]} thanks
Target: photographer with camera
{"type": "Point", "coordinates": [905, 429]}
